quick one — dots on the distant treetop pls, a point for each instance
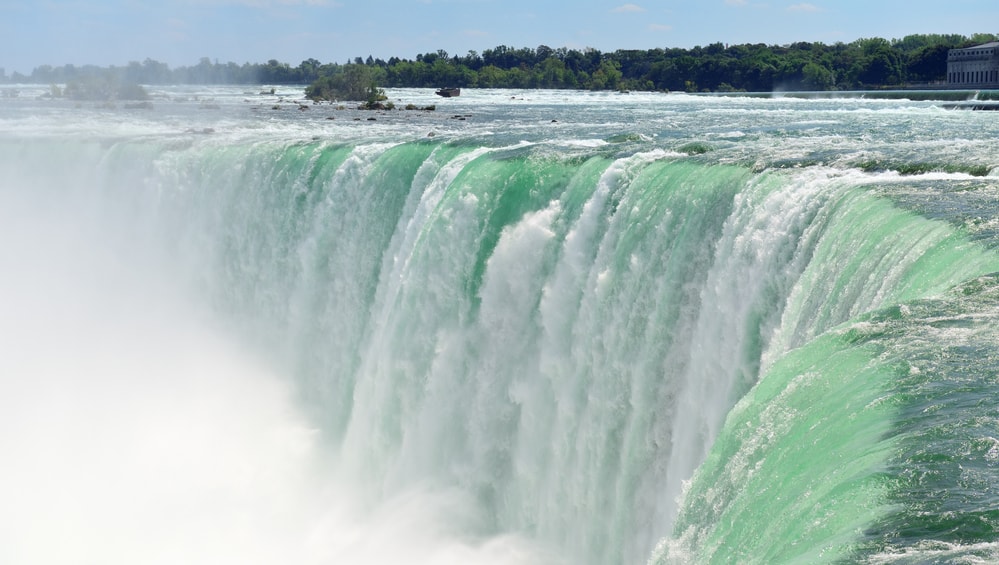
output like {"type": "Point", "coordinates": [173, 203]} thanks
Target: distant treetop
{"type": "Point", "coordinates": [862, 64]}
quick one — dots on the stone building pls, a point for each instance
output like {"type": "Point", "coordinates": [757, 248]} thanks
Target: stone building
{"type": "Point", "coordinates": [974, 67]}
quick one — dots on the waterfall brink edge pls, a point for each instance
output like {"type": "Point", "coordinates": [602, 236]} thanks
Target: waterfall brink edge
{"type": "Point", "coordinates": [540, 349]}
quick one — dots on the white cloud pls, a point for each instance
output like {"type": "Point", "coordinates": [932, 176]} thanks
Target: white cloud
{"type": "Point", "coordinates": [628, 8]}
{"type": "Point", "coordinates": [804, 7]}
{"type": "Point", "coordinates": [660, 27]}
{"type": "Point", "coordinates": [737, 2]}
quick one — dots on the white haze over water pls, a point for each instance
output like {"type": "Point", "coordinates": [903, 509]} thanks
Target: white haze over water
{"type": "Point", "coordinates": [133, 431]}
{"type": "Point", "coordinates": [136, 426]}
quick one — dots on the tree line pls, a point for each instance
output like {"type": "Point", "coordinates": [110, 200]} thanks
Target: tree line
{"type": "Point", "coordinates": [155, 72]}
{"type": "Point", "coordinates": [868, 63]}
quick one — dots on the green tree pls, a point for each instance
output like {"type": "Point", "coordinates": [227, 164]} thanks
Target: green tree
{"type": "Point", "coordinates": [491, 76]}
{"type": "Point", "coordinates": [553, 73]}
{"type": "Point", "coordinates": [818, 77]}
{"type": "Point", "coordinates": [351, 82]}
{"type": "Point", "coordinates": [928, 64]}
{"type": "Point", "coordinates": [607, 76]}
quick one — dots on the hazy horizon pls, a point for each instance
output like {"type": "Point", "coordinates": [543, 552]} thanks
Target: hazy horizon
{"type": "Point", "coordinates": [181, 32]}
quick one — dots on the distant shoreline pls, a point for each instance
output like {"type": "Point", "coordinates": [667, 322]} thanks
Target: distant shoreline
{"type": "Point", "coordinates": [870, 64]}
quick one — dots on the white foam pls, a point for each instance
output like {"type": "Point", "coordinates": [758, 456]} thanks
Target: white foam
{"type": "Point", "coordinates": [134, 430]}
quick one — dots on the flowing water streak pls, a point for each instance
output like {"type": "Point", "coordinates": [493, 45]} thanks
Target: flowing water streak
{"type": "Point", "coordinates": [506, 349]}
{"type": "Point", "coordinates": [820, 444]}
{"type": "Point", "coordinates": [610, 403]}
{"type": "Point", "coordinates": [136, 425]}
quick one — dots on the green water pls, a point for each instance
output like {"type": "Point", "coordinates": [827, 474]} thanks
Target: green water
{"type": "Point", "coordinates": [590, 321]}
{"type": "Point", "coordinates": [667, 330]}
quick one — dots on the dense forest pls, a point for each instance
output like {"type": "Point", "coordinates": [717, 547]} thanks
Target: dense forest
{"type": "Point", "coordinates": [870, 63]}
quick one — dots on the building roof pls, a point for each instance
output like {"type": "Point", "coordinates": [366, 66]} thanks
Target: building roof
{"type": "Point", "coordinates": [983, 46]}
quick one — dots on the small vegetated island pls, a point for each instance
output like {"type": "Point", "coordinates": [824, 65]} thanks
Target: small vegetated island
{"type": "Point", "coordinates": [865, 64]}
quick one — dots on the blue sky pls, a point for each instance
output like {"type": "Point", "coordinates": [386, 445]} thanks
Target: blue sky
{"type": "Point", "coordinates": [180, 32]}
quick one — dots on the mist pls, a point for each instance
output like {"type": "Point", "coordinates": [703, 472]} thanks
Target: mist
{"type": "Point", "coordinates": [134, 428]}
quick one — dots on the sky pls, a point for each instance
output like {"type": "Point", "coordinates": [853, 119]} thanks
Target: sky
{"type": "Point", "coordinates": [181, 32]}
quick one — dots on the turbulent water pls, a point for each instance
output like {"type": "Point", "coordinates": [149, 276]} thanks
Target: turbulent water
{"type": "Point", "coordinates": [525, 327]}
